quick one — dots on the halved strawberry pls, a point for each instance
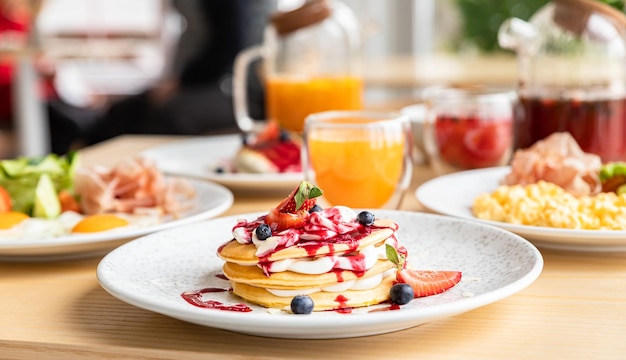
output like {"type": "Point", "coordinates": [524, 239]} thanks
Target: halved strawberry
{"type": "Point", "coordinates": [428, 282]}
{"type": "Point", "coordinates": [270, 133]}
{"type": "Point", "coordinates": [279, 221]}
{"type": "Point", "coordinates": [294, 210]}
{"type": "Point", "coordinates": [301, 198]}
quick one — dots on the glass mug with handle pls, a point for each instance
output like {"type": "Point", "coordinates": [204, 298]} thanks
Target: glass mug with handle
{"type": "Point", "coordinates": [468, 127]}
{"type": "Point", "coordinates": [360, 159]}
{"type": "Point", "coordinates": [310, 64]}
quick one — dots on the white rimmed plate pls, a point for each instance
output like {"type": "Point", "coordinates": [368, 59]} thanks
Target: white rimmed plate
{"type": "Point", "coordinates": [453, 195]}
{"type": "Point", "coordinates": [152, 272]}
{"type": "Point", "coordinates": [211, 200]}
{"type": "Point", "coordinates": [199, 157]}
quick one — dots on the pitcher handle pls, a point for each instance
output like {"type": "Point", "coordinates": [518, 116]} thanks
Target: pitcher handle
{"type": "Point", "coordinates": [240, 85]}
{"type": "Point", "coordinates": [514, 32]}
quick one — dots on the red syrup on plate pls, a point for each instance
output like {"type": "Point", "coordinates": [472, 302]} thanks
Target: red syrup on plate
{"type": "Point", "coordinates": [221, 276]}
{"type": "Point", "coordinates": [387, 308]}
{"type": "Point", "coordinates": [196, 298]}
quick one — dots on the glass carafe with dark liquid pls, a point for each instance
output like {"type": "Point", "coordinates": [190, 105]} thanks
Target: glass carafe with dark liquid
{"type": "Point", "coordinates": [572, 75]}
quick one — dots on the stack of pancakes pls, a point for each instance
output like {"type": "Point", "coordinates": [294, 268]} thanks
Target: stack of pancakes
{"type": "Point", "coordinates": [252, 279]}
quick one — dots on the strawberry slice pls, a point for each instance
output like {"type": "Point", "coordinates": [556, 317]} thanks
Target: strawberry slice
{"type": "Point", "coordinates": [428, 282]}
{"type": "Point", "coordinates": [293, 211]}
{"type": "Point", "coordinates": [279, 221]}
{"type": "Point", "coordinates": [270, 133]}
{"type": "Point", "coordinates": [301, 198]}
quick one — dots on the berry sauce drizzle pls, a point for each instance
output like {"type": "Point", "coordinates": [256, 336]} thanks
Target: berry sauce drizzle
{"type": "Point", "coordinates": [343, 308]}
{"type": "Point", "coordinates": [196, 298]}
{"type": "Point", "coordinates": [387, 308]}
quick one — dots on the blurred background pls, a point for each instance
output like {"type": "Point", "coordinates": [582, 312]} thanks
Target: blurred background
{"type": "Point", "coordinates": [65, 63]}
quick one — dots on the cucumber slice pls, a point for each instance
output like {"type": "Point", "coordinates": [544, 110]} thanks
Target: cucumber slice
{"type": "Point", "coordinates": [47, 203]}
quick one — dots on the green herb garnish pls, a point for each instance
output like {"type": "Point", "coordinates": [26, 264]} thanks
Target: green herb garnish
{"type": "Point", "coordinates": [395, 257]}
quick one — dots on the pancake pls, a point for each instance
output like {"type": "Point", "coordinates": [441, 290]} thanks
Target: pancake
{"type": "Point", "coordinates": [244, 254]}
{"type": "Point", "coordinates": [347, 267]}
{"type": "Point", "coordinates": [253, 275]}
{"type": "Point", "coordinates": [322, 300]}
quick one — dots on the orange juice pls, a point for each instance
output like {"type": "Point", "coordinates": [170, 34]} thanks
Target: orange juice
{"type": "Point", "coordinates": [357, 171]}
{"type": "Point", "coordinates": [290, 100]}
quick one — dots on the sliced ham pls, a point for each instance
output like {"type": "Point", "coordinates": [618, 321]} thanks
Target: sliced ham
{"type": "Point", "coordinates": [557, 159]}
{"type": "Point", "coordinates": [134, 186]}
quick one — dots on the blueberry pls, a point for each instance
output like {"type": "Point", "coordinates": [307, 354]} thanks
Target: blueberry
{"type": "Point", "coordinates": [365, 218]}
{"type": "Point", "coordinates": [263, 231]}
{"type": "Point", "coordinates": [220, 170]}
{"type": "Point", "coordinates": [284, 136]}
{"type": "Point", "coordinates": [401, 293]}
{"type": "Point", "coordinates": [315, 208]}
{"type": "Point", "coordinates": [244, 139]}
{"type": "Point", "coordinates": [302, 304]}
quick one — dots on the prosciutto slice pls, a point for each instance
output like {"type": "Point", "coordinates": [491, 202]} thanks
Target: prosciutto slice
{"type": "Point", "coordinates": [135, 186]}
{"type": "Point", "coordinates": [557, 159]}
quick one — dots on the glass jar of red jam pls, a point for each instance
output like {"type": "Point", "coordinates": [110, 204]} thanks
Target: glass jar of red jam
{"type": "Point", "coordinates": [468, 128]}
{"type": "Point", "coordinates": [571, 75]}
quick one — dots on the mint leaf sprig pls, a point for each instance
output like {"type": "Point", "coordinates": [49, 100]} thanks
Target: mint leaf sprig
{"type": "Point", "coordinates": [395, 257]}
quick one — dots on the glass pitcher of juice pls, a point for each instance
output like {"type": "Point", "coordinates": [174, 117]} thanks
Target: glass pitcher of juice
{"type": "Point", "coordinates": [311, 63]}
{"type": "Point", "coordinates": [571, 75]}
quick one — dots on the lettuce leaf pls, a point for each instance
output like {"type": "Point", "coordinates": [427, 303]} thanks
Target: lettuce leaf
{"type": "Point", "coordinates": [20, 177]}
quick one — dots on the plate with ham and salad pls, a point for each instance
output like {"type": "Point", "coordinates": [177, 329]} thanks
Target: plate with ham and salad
{"type": "Point", "coordinates": [51, 208]}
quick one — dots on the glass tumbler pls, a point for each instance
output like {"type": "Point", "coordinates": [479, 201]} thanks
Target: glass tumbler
{"type": "Point", "coordinates": [469, 128]}
{"type": "Point", "coordinates": [360, 159]}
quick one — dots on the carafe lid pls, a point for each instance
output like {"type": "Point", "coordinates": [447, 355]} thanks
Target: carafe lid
{"type": "Point", "coordinates": [311, 12]}
{"type": "Point", "coordinates": [573, 15]}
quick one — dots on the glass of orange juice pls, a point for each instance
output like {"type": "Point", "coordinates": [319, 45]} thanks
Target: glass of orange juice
{"type": "Point", "coordinates": [360, 159]}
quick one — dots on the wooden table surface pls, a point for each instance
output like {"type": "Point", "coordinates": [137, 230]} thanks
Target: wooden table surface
{"type": "Point", "coordinates": [576, 309]}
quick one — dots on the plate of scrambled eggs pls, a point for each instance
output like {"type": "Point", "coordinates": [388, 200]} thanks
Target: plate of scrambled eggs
{"type": "Point", "coordinates": [542, 212]}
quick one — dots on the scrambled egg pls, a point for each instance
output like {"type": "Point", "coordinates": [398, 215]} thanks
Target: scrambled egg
{"type": "Point", "coordinates": [547, 204]}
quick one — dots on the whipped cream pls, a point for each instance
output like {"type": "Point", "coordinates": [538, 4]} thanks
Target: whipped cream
{"type": "Point", "coordinates": [364, 260]}
{"type": "Point", "coordinates": [358, 284]}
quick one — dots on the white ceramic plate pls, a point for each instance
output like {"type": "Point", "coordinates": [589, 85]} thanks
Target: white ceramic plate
{"type": "Point", "coordinates": [211, 200]}
{"type": "Point", "coordinates": [152, 272]}
{"type": "Point", "coordinates": [199, 157]}
{"type": "Point", "coordinates": [454, 194]}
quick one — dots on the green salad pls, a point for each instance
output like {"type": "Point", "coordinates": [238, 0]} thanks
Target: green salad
{"type": "Point", "coordinates": [613, 177]}
{"type": "Point", "coordinates": [34, 182]}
